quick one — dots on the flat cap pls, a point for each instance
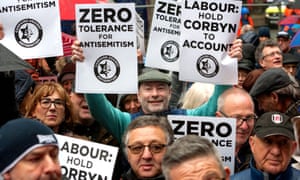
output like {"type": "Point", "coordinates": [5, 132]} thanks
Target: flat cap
{"type": "Point", "coordinates": [154, 75]}
{"type": "Point", "coordinates": [289, 58]}
{"type": "Point", "coordinates": [274, 123]}
{"type": "Point", "coordinates": [270, 80]}
{"type": "Point", "coordinates": [246, 65]}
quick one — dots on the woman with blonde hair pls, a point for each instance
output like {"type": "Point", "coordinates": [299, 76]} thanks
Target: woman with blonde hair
{"type": "Point", "coordinates": [196, 95]}
{"type": "Point", "coordinates": [51, 105]}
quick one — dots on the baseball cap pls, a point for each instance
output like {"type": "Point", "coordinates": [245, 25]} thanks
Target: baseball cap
{"type": "Point", "coordinates": [270, 80]}
{"type": "Point", "coordinates": [19, 137]}
{"type": "Point", "coordinates": [274, 123]}
{"type": "Point", "coordinates": [154, 75]}
{"type": "Point", "coordinates": [283, 34]}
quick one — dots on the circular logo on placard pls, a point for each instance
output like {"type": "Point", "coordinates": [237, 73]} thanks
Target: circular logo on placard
{"type": "Point", "coordinates": [28, 33]}
{"type": "Point", "coordinates": [207, 66]}
{"type": "Point", "coordinates": [170, 51]}
{"type": "Point", "coordinates": [107, 69]}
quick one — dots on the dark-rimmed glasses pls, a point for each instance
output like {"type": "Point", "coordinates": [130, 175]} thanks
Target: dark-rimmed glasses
{"type": "Point", "coordinates": [240, 119]}
{"type": "Point", "coordinates": [46, 103]}
{"type": "Point", "coordinates": [154, 148]}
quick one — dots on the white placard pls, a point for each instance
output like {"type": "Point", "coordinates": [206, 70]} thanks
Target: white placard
{"type": "Point", "coordinates": [107, 33]}
{"type": "Point", "coordinates": [32, 28]}
{"type": "Point", "coordinates": [140, 33]}
{"type": "Point", "coordinates": [207, 30]}
{"type": "Point", "coordinates": [80, 159]}
{"type": "Point", "coordinates": [221, 131]}
{"type": "Point", "coordinates": [163, 46]}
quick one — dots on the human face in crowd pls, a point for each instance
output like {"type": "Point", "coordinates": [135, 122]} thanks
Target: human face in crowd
{"type": "Point", "coordinates": [146, 164]}
{"type": "Point", "coordinates": [290, 68]}
{"type": "Point", "coordinates": [284, 44]}
{"type": "Point", "coordinates": [272, 154]}
{"type": "Point", "coordinates": [241, 107]}
{"type": "Point", "coordinates": [262, 38]}
{"type": "Point", "coordinates": [242, 74]}
{"type": "Point", "coordinates": [81, 108]}
{"type": "Point", "coordinates": [131, 104]}
{"type": "Point", "coordinates": [40, 163]}
{"type": "Point", "coordinates": [67, 85]}
{"type": "Point", "coordinates": [154, 96]}
{"type": "Point", "coordinates": [204, 168]}
{"type": "Point", "coordinates": [271, 57]}
{"type": "Point", "coordinates": [50, 110]}
{"type": "Point", "coordinates": [269, 102]}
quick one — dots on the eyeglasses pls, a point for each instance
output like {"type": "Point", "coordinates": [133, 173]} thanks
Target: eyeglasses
{"type": "Point", "coordinates": [46, 103]}
{"type": "Point", "coordinates": [139, 148]}
{"type": "Point", "coordinates": [239, 119]}
{"type": "Point", "coordinates": [272, 54]}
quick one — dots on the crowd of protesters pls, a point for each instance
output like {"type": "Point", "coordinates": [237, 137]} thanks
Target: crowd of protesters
{"type": "Point", "coordinates": [263, 102]}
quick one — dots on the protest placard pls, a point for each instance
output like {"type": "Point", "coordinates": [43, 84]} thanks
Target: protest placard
{"type": "Point", "coordinates": [107, 34]}
{"type": "Point", "coordinates": [221, 132]}
{"type": "Point", "coordinates": [207, 30]}
{"type": "Point", "coordinates": [29, 32]}
{"type": "Point", "coordinates": [81, 159]}
{"type": "Point", "coordinates": [163, 46]}
{"type": "Point", "coordinates": [140, 33]}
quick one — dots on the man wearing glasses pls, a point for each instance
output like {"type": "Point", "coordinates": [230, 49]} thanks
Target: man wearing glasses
{"type": "Point", "coordinates": [268, 55]}
{"type": "Point", "coordinates": [144, 144]}
{"type": "Point", "coordinates": [237, 103]}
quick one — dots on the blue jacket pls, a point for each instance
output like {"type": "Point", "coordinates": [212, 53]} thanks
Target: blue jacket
{"type": "Point", "coordinates": [116, 121]}
{"type": "Point", "coordinates": [254, 174]}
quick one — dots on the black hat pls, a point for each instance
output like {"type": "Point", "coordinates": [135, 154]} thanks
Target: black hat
{"type": "Point", "coordinates": [283, 34]}
{"type": "Point", "coordinates": [23, 83]}
{"type": "Point", "coordinates": [274, 123]}
{"type": "Point", "coordinates": [19, 137]}
{"type": "Point", "coordinates": [246, 65]}
{"type": "Point", "coordinates": [289, 58]}
{"type": "Point", "coordinates": [248, 51]}
{"type": "Point", "coordinates": [264, 32]}
{"type": "Point", "coordinates": [154, 75]}
{"type": "Point", "coordinates": [270, 80]}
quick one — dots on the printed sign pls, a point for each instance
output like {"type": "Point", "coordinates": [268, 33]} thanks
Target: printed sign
{"type": "Point", "coordinates": [221, 132]}
{"type": "Point", "coordinates": [163, 46]}
{"type": "Point", "coordinates": [29, 32]}
{"type": "Point", "coordinates": [207, 30]}
{"type": "Point", "coordinates": [80, 159]}
{"type": "Point", "coordinates": [107, 33]}
{"type": "Point", "coordinates": [140, 34]}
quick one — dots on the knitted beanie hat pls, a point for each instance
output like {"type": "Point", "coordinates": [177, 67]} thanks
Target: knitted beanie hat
{"type": "Point", "coordinates": [19, 137]}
